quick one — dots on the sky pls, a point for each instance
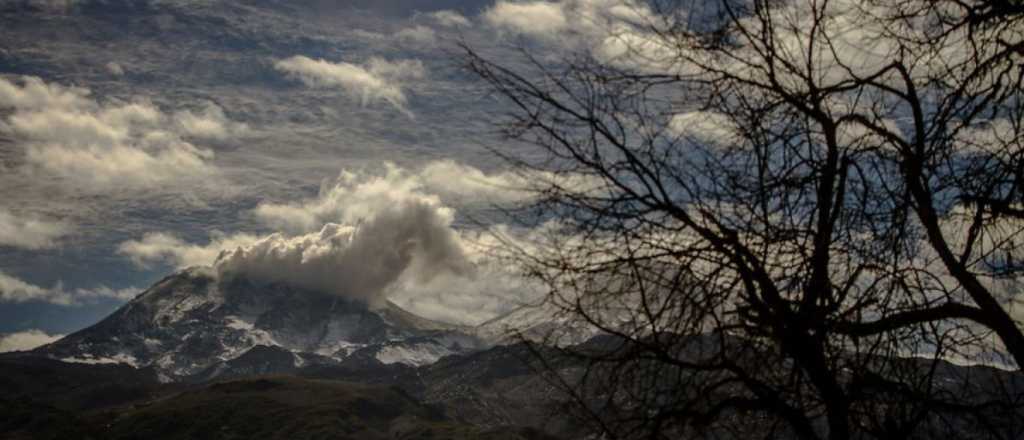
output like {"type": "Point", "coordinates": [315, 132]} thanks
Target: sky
{"type": "Point", "coordinates": [340, 146]}
{"type": "Point", "coordinates": [139, 138]}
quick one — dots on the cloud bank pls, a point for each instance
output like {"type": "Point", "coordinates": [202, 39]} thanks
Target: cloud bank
{"type": "Point", "coordinates": [542, 19]}
{"type": "Point", "coordinates": [355, 196]}
{"type": "Point", "coordinates": [376, 80]}
{"type": "Point", "coordinates": [30, 232]}
{"type": "Point", "coordinates": [26, 340]}
{"type": "Point", "coordinates": [166, 248]}
{"type": "Point", "coordinates": [15, 290]}
{"type": "Point", "coordinates": [100, 147]}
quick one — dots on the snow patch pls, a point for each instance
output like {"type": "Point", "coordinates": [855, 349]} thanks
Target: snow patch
{"type": "Point", "coordinates": [120, 358]}
{"type": "Point", "coordinates": [262, 337]}
{"type": "Point", "coordinates": [238, 323]}
{"type": "Point", "coordinates": [415, 355]}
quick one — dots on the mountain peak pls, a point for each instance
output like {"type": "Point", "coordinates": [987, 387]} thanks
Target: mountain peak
{"type": "Point", "coordinates": [191, 321]}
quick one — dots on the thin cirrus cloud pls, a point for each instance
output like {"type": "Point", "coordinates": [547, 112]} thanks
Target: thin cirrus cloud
{"type": "Point", "coordinates": [29, 231]}
{"type": "Point", "coordinates": [375, 80]}
{"type": "Point", "coordinates": [100, 147]}
{"type": "Point", "coordinates": [15, 290]}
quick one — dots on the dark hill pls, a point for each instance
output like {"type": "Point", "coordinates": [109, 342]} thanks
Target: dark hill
{"type": "Point", "coordinates": [279, 407]}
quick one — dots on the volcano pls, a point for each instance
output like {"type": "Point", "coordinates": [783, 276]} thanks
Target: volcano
{"type": "Point", "coordinates": [193, 324]}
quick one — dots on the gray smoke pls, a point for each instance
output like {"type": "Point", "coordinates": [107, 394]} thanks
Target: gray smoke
{"type": "Point", "coordinates": [411, 238]}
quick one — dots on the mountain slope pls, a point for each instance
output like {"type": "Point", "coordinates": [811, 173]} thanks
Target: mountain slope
{"type": "Point", "coordinates": [192, 321]}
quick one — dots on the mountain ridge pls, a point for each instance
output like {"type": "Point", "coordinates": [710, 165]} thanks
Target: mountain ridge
{"type": "Point", "coordinates": [192, 321]}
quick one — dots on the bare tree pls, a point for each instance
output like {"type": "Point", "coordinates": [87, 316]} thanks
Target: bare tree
{"type": "Point", "coordinates": [786, 216]}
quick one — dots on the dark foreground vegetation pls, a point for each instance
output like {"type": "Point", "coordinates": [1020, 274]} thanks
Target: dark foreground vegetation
{"type": "Point", "coordinates": [48, 399]}
{"type": "Point", "coordinates": [508, 392]}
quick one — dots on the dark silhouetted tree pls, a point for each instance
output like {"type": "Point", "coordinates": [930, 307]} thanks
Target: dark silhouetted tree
{"type": "Point", "coordinates": [785, 217]}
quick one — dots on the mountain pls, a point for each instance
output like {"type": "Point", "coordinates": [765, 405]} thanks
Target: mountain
{"type": "Point", "coordinates": [194, 326]}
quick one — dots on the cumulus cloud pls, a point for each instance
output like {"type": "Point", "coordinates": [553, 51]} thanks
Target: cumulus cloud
{"type": "Point", "coordinates": [412, 239]}
{"type": "Point", "coordinates": [98, 147]}
{"type": "Point", "coordinates": [449, 18]}
{"type": "Point", "coordinates": [376, 80]}
{"type": "Point", "coordinates": [370, 236]}
{"type": "Point", "coordinates": [17, 291]}
{"type": "Point", "coordinates": [209, 123]}
{"type": "Point", "coordinates": [26, 340]}
{"type": "Point", "coordinates": [34, 94]}
{"type": "Point", "coordinates": [539, 19]}
{"type": "Point", "coordinates": [356, 239]}
{"type": "Point", "coordinates": [30, 232]}
{"type": "Point", "coordinates": [357, 195]}
{"type": "Point", "coordinates": [390, 235]}
{"type": "Point", "coordinates": [554, 21]}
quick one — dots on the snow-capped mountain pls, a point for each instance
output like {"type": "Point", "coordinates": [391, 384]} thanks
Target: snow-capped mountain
{"type": "Point", "coordinates": [192, 323]}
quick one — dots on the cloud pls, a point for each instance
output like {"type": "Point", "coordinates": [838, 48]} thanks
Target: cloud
{"type": "Point", "coordinates": [568, 22]}
{"type": "Point", "coordinates": [54, 6]}
{"type": "Point", "coordinates": [538, 19]}
{"type": "Point", "coordinates": [114, 69]}
{"type": "Point", "coordinates": [101, 147]}
{"type": "Point", "coordinates": [26, 340]}
{"type": "Point", "coordinates": [209, 123]}
{"type": "Point", "coordinates": [29, 232]}
{"type": "Point", "coordinates": [422, 35]}
{"type": "Point", "coordinates": [449, 18]}
{"type": "Point", "coordinates": [486, 291]}
{"type": "Point", "coordinates": [409, 238]}
{"type": "Point", "coordinates": [162, 247]}
{"type": "Point", "coordinates": [376, 80]}
{"type": "Point", "coordinates": [34, 94]}
{"type": "Point", "coordinates": [855, 40]}
{"type": "Point", "coordinates": [355, 196]}
{"type": "Point", "coordinates": [369, 236]}
{"type": "Point", "coordinates": [705, 127]}
{"type": "Point", "coordinates": [17, 291]}
{"type": "Point", "coordinates": [465, 184]}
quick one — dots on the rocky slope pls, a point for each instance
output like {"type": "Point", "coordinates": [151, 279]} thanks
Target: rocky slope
{"type": "Point", "coordinates": [193, 325]}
